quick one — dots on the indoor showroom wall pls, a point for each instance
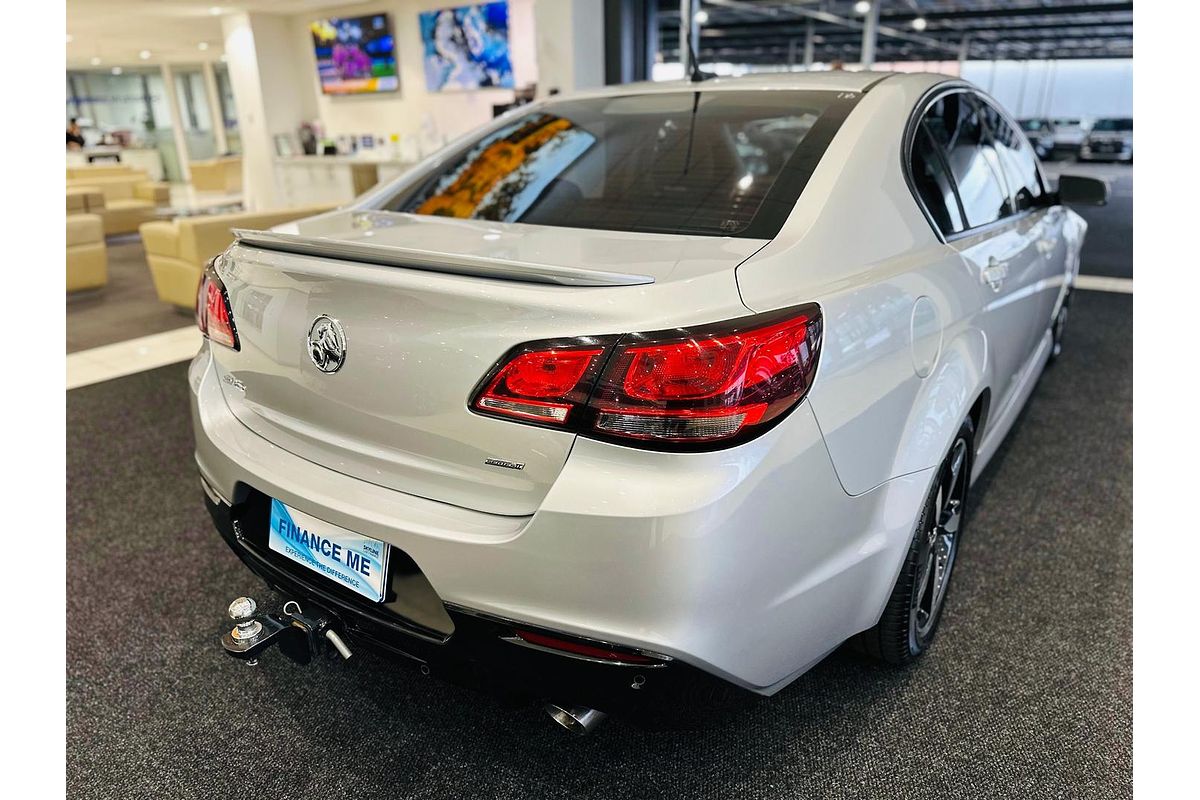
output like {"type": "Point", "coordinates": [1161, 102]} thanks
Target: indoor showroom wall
{"type": "Point", "coordinates": [406, 110]}
{"type": "Point", "coordinates": [273, 71]}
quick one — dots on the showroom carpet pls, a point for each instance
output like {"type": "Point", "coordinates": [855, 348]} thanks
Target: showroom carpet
{"type": "Point", "coordinates": [1026, 694]}
{"type": "Point", "coordinates": [124, 309]}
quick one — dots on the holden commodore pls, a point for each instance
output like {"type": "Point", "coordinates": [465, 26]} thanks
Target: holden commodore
{"type": "Point", "coordinates": [640, 393]}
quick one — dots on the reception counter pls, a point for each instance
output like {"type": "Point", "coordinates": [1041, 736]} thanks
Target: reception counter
{"type": "Point", "coordinates": [145, 159]}
{"type": "Point", "coordinates": [305, 180]}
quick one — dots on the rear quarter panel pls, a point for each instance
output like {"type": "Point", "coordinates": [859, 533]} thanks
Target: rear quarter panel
{"type": "Point", "coordinates": [903, 359]}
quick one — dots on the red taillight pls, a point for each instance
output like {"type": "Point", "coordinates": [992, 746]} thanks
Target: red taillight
{"type": "Point", "coordinates": [213, 314]}
{"type": "Point", "coordinates": [542, 385]}
{"type": "Point", "coordinates": [715, 383]}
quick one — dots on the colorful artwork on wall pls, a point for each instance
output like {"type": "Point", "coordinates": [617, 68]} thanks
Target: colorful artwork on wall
{"type": "Point", "coordinates": [467, 47]}
{"type": "Point", "coordinates": [355, 55]}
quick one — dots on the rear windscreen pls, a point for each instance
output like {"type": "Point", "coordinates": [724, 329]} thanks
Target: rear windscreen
{"type": "Point", "coordinates": [722, 163]}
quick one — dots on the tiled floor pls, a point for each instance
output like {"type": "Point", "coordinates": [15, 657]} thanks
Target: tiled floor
{"type": "Point", "coordinates": [125, 358]}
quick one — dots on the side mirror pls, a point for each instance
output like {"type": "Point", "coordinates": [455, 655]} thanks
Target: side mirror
{"type": "Point", "coordinates": [1082, 191]}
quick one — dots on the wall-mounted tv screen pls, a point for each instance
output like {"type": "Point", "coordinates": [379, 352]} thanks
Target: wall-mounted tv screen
{"type": "Point", "coordinates": [356, 55]}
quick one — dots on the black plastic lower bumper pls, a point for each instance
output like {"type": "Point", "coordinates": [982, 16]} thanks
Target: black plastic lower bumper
{"type": "Point", "coordinates": [459, 644]}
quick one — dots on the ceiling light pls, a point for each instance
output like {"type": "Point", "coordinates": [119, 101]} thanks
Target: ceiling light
{"type": "Point", "coordinates": [701, 17]}
{"type": "Point", "coordinates": [919, 23]}
{"type": "Point", "coordinates": [215, 10]}
{"type": "Point", "coordinates": [224, 57]}
{"type": "Point", "coordinates": [203, 45]}
{"type": "Point", "coordinates": [95, 61]}
{"type": "Point", "coordinates": [117, 70]}
{"type": "Point", "coordinates": [145, 54]}
{"type": "Point", "coordinates": [70, 38]}
{"type": "Point", "coordinates": [862, 7]}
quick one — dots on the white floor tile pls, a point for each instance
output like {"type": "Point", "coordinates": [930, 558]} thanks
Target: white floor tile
{"type": "Point", "coordinates": [126, 358]}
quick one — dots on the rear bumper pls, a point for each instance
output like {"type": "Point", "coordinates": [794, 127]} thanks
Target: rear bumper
{"type": "Point", "coordinates": [480, 651]}
{"type": "Point", "coordinates": [748, 564]}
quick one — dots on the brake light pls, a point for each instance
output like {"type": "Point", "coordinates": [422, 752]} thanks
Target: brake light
{"type": "Point", "coordinates": [540, 384]}
{"type": "Point", "coordinates": [714, 383]}
{"type": "Point", "coordinates": [213, 313]}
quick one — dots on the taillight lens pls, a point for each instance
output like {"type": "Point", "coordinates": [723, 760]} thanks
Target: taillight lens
{"type": "Point", "coordinates": [213, 313]}
{"type": "Point", "coordinates": [720, 383]}
{"type": "Point", "coordinates": [542, 382]}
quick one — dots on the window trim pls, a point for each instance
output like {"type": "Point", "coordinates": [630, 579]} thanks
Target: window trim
{"type": "Point", "coordinates": [915, 120]}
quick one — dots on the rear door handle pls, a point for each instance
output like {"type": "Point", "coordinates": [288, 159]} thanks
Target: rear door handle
{"type": "Point", "coordinates": [995, 273]}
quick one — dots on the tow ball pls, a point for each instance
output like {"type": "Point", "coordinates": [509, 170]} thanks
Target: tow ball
{"type": "Point", "coordinates": [300, 633]}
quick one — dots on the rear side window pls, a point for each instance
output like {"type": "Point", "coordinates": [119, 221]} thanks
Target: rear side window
{"type": "Point", "coordinates": [1017, 159]}
{"type": "Point", "coordinates": [956, 124]}
{"type": "Point", "coordinates": [721, 163]}
{"type": "Point", "coordinates": [933, 184]}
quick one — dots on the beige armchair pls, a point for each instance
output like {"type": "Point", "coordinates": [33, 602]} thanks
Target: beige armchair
{"type": "Point", "coordinates": [129, 198]}
{"type": "Point", "coordinates": [85, 200]}
{"type": "Point", "coordinates": [217, 174]}
{"type": "Point", "coordinates": [177, 250]}
{"type": "Point", "coordinates": [87, 259]}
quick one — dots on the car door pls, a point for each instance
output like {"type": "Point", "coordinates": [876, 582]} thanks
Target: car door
{"type": "Point", "coordinates": [998, 243]}
{"type": "Point", "coordinates": [1040, 220]}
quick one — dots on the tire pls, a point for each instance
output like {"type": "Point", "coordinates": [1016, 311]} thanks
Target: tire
{"type": "Point", "coordinates": [910, 619]}
{"type": "Point", "coordinates": [1059, 327]}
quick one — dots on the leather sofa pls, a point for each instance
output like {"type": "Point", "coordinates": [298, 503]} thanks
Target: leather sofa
{"type": "Point", "coordinates": [177, 250]}
{"type": "Point", "coordinates": [85, 200]}
{"type": "Point", "coordinates": [217, 174]}
{"type": "Point", "coordinates": [87, 258]}
{"type": "Point", "coordinates": [129, 198]}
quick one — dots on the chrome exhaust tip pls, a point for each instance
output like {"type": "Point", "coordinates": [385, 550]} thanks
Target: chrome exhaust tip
{"type": "Point", "coordinates": [579, 720]}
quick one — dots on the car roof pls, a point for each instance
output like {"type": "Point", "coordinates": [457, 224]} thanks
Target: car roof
{"type": "Point", "coordinates": [825, 80]}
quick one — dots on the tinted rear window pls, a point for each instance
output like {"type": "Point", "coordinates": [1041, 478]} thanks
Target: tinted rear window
{"type": "Point", "coordinates": [1113, 125]}
{"type": "Point", "coordinates": [716, 163]}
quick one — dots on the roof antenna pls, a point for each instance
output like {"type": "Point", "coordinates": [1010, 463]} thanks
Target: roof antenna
{"type": "Point", "coordinates": [696, 75]}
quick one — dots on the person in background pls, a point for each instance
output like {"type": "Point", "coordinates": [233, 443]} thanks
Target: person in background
{"type": "Point", "coordinates": [74, 135]}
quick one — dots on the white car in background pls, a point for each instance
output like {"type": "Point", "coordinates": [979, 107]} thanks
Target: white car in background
{"type": "Point", "coordinates": [1110, 139]}
{"type": "Point", "coordinates": [651, 388]}
{"type": "Point", "coordinates": [1069, 132]}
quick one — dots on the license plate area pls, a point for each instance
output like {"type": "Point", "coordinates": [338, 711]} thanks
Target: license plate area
{"type": "Point", "coordinates": [356, 562]}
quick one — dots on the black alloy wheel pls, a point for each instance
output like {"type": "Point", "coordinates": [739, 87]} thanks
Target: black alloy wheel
{"type": "Point", "coordinates": [910, 620]}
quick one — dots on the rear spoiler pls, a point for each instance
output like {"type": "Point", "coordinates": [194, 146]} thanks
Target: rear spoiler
{"type": "Point", "coordinates": [389, 255]}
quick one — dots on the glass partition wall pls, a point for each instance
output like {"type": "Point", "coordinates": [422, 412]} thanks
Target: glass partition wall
{"type": "Point", "coordinates": [194, 112]}
{"type": "Point", "coordinates": [127, 107]}
{"type": "Point", "coordinates": [130, 107]}
{"type": "Point", "coordinates": [233, 140]}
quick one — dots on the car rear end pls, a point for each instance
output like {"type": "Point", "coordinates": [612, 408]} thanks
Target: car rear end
{"type": "Point", "coordinates": [557, 452]}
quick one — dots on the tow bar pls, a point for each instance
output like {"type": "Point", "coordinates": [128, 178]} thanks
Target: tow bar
{"type": "Point", "coordinates": [300, 635]}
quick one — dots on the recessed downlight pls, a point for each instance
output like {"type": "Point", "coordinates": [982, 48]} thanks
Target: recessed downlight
{"type": "Point", "coordinates": [145, 54]}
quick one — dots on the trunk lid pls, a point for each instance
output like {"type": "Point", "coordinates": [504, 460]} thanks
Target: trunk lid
{"type": "Point", "coordinates": [418, 339]}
